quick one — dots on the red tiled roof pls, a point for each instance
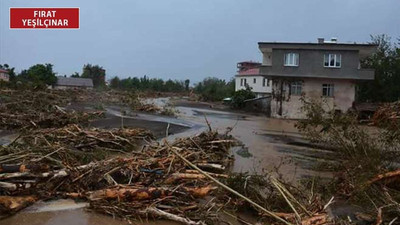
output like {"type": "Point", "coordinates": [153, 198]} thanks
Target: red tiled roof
{"type": "Point", "coordinates": [253, 71]}
{"type": "Point", "coordinates": [3, 71]}
{"type": "Point", "coordinates": [250, 62]}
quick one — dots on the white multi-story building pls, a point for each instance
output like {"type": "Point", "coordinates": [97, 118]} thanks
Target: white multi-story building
{"type": "Point", "coordinates": [249, 76]}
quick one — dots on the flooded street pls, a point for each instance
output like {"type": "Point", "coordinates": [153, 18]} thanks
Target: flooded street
{"type": "Point", "coordinates": [266, 143]}
{"type": "Point", "coordinates": [269, 142]}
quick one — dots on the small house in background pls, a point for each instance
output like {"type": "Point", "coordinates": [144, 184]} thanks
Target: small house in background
{"type": "Point", "coordinates": [73, 83]}
{"type": "Point", "coordinates": [4, 75]}
{"type": "Point", "coordinates": [249, 76]}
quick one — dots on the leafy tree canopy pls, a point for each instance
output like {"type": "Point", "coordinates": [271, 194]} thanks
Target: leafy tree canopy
{"type": "Point", "coordinates": [96, 73]}
{"type": "Point", "coordinates": [386, 62]}
{"type": "Point", "coordinates": [214, 89]}
{"type": "Point", "coordinates": [39, 74]}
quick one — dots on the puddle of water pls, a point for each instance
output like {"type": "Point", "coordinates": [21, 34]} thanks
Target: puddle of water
{"type": "Point", "coordinates": [242, 151]}
{"type": "Point", "coordinates": [55, 205]}
{"type": "Point", "coordinates": [7, 137]}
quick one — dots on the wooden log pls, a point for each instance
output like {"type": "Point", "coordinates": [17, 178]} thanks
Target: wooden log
{"type": "Point", "coordinates": [183, 176]}
{"type": "Point", "coordinates": [169, 216]}
{"type": "Point", "coordinates": [211, 166]}
{"type": "Point", "coordinates": [388, 177]}
{"type": "Point", "coordinates": [129, 193]}
{"type": "Point", "coordinates": [317, 219]}
{"type": "Point", "coordinates": [54, 174]}
{"type": "Point", "coordinates": [212, 174]}
{"type": "Point", "coordinates": [22, 168]}
{"type": "Point", "coordinates": [200, 192]}
{"type": "Point", "coordinates": [8, 186]}
{"type": "Point", "coordinates": [267, 212]}
{"type": "Point", "coordinates": [12, 204]}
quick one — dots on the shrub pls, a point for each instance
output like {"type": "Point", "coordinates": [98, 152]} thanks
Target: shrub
{"type": "Point", "coordinates": [240, 96]}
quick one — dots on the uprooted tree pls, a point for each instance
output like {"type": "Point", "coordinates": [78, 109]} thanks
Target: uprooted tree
{"type": "Point", "coordinates": [367, 172]}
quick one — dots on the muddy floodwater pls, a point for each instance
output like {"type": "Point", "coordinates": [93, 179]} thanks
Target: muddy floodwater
{"type": "Point", "coordinates": [267, 143]}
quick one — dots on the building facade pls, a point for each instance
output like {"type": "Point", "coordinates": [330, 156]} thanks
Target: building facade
{"type": "Point", "coordinates": [326, 71]}
{"type": "Point", "coordinates": [249, 76]}
{"type": "Point", "coordinates": [4, 75]}
{"type": "Point", "coordinates": [73, 83]}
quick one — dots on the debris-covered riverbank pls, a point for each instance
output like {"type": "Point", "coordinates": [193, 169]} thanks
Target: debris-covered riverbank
{"type": "Point", "coordinates": [125, 172]}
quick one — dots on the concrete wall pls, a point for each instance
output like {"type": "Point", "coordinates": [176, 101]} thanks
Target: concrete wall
{"type": "Point", "coordinates": [267, 59]}
{"type": "Point", "coordinates": [311, 64]}
{"type": "Point", "coordinates": [261, 104]}
{"type": "Point", "coordinates": [256, 87]}
{"type": "Point", "coordinates": [343, 97]}
{"type": "Point", "coordinates": [70, 87]}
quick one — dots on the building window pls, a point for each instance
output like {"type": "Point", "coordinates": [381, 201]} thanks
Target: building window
{"type": "Point", "coordinates": [254, 80]}
{"type": "Point", "coordinates": [265, 81]}
{"type": "Point", "coordinates": [296, 88]}
{"type": "Point", "coordinates": [327, 90]}
{"type": "Point", "coordinates": [291, 59]}
{"type": "Point", "coordinates": [333, 60]}
{"type": "Point", "coordinates": [243, 82]}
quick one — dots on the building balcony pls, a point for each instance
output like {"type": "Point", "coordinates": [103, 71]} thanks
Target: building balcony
{"type": "Point", "coordinates": [320, 72]}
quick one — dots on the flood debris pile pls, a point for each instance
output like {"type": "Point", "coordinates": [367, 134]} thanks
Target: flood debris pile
{"type": "Point", "coordinates": [388, 118]}
{"type": "Point", "coordinates": [71, 145]}
{"type": "Point", "coordinates": [368, 174]}
{"type": "Point", "coordinates": [133, 99]}
{"type": "Point", "coordinates": [38, 109]}
{"type": "Point", "coordinates": [112, 97]}
{"type": "Point", "coordinates": [150, 181]}
{"type": "Point", "coordinates": [160, 185]}
{"type": "Point", "coordinates": [146, 107]}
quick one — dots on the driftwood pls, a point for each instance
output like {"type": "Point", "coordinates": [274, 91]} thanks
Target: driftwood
{"type": "Point", "coordinates": [269, 213]}
{"type": "Point", "coordinates": [126, 193]}
{"type": "Point", "coordinates": [11, 204]}
{"type": "Point", "coordinates": [388, 177]}
{"type": "Point", "coordinates": [212, 174]}
{"type": "Point", "coordinates": [317, 219]}
{"type": "Point", "coordinates": [129, 193]}
{"type": "Point", "coordinates": [8, 186]}
{"type": "Point", "coordinates": [159, 213]}
{"type": "Point", "coordinates": [22, 168]}
{"type": "Point", "coordinates": [211, 166]}
{"type": "Point", "coordinates": [54, 174]}
{"type": "Point", "coordinates": [182, 176]}
{"type": "Point", "coordinates": [200, 192]}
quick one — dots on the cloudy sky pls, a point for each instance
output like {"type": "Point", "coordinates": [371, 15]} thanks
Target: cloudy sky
{"type": "Point", "coordinates": [183, 39]}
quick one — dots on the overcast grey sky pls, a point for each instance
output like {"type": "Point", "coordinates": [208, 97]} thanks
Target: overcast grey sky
{"type": "Point", "coordinates": [182, 39]}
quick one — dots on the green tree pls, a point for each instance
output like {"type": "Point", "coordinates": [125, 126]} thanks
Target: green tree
{"type": "Point", "coordinates": [214, 89]}
{"type": "Point", "coordinates": [240, 96]}
{"type": "Point", "coordinates": [386, 62]}
{"type": "Point", "coordinates": [145, 83]}
{"type": "Point", "coordinates": [96, 73]}
{"type": "Point", "coordinates": [76, 75]}
{"type": "Point", "coordinates": [187, 83]}
{"type": "Point", "coordinates": [115, 82]}
{"type": "Point", "coordinates": [39, 74]}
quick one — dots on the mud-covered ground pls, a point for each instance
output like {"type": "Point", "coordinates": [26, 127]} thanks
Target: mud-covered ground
{"type": "Point", "coordinates": [267, 144]}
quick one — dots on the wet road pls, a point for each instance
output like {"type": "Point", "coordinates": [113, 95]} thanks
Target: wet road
{"type": "Point", "coordinates": [267, 142]}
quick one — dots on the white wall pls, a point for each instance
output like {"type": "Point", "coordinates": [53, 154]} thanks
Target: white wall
{"type": "Point", "coordinates": [343, 97]}
{"type": "Point", "coordinates": [255, 87]}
